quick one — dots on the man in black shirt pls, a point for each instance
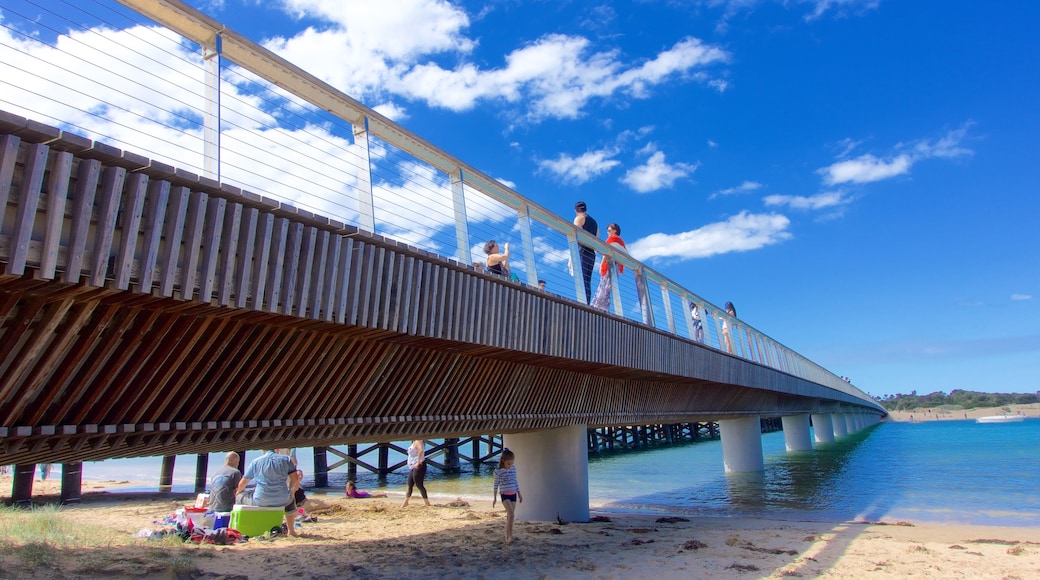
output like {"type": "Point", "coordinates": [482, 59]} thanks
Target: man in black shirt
{"type": "Point", "coordinates": [588, 256]}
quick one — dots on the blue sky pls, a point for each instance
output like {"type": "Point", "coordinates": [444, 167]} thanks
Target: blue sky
{"type": "Point", "coordinates": [857, 176]}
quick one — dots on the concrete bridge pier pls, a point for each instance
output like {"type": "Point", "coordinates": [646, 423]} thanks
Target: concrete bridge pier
{"type": "Point", "coordinates": [841, 428]}
{"type": "Point", "coordinates": [823, 428]}
{"type": "Point", "coordinates": [553, 471]}
{"type": "Point", "coordinates": [742, 444]}
{"type": "Point", "coordinates": [850, 423]}
{"type": "Point", "coordinates": [796, 432]}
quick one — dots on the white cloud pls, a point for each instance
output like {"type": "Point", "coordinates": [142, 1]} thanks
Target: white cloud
{"type": "Point", "coordinates": [581, 169]}
{"type": "Point", "coordinates": [841, 7]}
{"type": "Point", "coordinates": [739, 233]}
{"type": "Point", "coordinates": [1021, 296]}
{"type": "Point", "coordinates": [656, 174]}
{"type": "Point", "coordinates": [819, 201]}
{"type": "Point", "coordinates": [742, 188]}
{"type": "Point", "coordinates": [865, 169]}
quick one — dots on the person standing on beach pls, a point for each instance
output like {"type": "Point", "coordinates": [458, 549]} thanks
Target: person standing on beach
{"type": "Point", "coordinates": [588, 256]}
{"type": "Point", "coordinates": [224, 483]}
{"type": "Point", "coordinates": [507, 487]}
{"type": "Point", "coordinates": [416, 471]}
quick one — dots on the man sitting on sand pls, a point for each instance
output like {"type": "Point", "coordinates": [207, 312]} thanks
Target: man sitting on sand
{"type": "Point", "coordinates": [354, 492]}
{"type": "Point", "coordinates": [275, 475]}
{"type": "Point", "coordinates": [224, 484]}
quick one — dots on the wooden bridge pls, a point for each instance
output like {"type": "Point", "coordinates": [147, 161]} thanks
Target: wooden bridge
{"type": "Point", "coordinates": [149, 311]}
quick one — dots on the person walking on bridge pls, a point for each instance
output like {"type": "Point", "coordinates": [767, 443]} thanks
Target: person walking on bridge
{"type": "Point", "coordinates": [602, 299]}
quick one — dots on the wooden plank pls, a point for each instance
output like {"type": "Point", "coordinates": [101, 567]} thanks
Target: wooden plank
{"type": "Point", "coordinates": [318, 276]}
{"type": "Point", "coordinates": [344, 279]}
{"type": "Point", "coordinates": [57, 195]}
{"type": "Point", "coordinates": [332, 277]}
{"type": "Point", "coordinates": [305, 269]}
{"type": "Point", "coordinates": [25, 210]}
{"type": "Point", "coordinates": [108, 208]}
{"type": "Point", "coordinates": [292, 266]}
{"type": "Point", "coordinates": [262, 256]}
{"type": "Point", "coordinates": [155, 216]}
{"type": "Point", "coordinates": [9, 145]}
{"type": "Point", "coordinates": [133, 207]}
{"type": "Point", "coordinates": [244, 256]}
{"type": "Point", "coordinates": [40, 342]}
{"type": "Point", "coordinates": [276, 266]}
{"type": "Point", "coordinates": [173, 233]}
{"type": "Point", "coordinates": [87, 176]}
{"type": "Point", "coordinates": [194, 231]}
{"type": "Point", "coordinates": [211, 246]}
{"type": "Point", "coordinates": [228, 249]}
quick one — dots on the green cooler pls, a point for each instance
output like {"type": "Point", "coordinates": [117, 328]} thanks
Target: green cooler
{"type": "Point", "coordinates": [255, 521]}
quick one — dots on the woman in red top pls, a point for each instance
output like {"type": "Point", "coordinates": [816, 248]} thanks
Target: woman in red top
{"type": "Point", "coordinates": [602, 298]}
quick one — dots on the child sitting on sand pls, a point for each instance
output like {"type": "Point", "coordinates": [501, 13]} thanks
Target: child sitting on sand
{"type": "Point", "coordinates": [354, 492]}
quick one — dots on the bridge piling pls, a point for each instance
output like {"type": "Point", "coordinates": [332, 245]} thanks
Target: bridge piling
{"type": "Point", "coordinates": [201, 470]}
{"type": "Point", "coordinates": [166, 474]}
{"type": "Point", "coordinates": [71, 483]}
{"type": "Point", "coordinates": [553, 466]}
{"type": "Point", "coordinates": [321, 467]}
{"type": "Point", "coordinates": [796, 432]}
{"type": "Point", "coordinates": [742, 444]}
{"type": "Point", "coordinates": [823, 428]}
{"type": "Point", "coordinates": [22, 484]}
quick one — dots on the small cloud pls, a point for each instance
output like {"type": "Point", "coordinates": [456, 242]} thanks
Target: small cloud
{"type": "Point", "coordinates": [392, 111]}
{"type": "Point", "coordinates": [656, 174]}
{"type": "Point", "coordinates": [739, 233]}
{"type": "Point", "coordinates": [712, 144]}
{"type": "Point", "coordinates": [742, 188]}
{"type": "Point", "coordinates": [865, 169]}
{"type": "Point", "coordinates": [581, 169]}
{"type": "Point", "coordinates": [841, 7]}
{"type": "Point", "coordinates": [819, 201]}
{"type": "Point", "coordinates": [1021, 296]}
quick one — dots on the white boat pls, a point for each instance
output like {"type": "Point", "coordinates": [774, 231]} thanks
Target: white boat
{"type": "Point", "coordinates": [1000, 419]}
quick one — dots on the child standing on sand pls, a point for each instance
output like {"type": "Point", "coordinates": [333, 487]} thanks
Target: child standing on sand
{"type": "Point", "coordinates": [508, 489]}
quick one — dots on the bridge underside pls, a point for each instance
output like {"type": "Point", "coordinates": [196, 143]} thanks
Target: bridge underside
{"type": "Point", "coordinates": [89, 373]}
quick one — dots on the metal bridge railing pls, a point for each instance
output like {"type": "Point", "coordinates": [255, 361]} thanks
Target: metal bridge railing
{"type": "Point", "coordinates": [195, 94]}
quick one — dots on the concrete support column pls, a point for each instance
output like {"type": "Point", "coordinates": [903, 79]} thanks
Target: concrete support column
{"type": "Point", "coordinates": [742, 444]}
{"type": "Point", "coordinates": [201, 470]}
{"type": "Point", "coordinates": [796, 432]}
{"type": "Point", "coordinates": [841, 429]}
{"type": "Point", "coordinates": [321, 467]}
{"type": "Point", "coordinates": [553, 471]}
{"type": "Point", "coordinates": [166, 474]}
{"type": "Point", "coordinates": [850, 423]}
{"type": "Point", "coordinates": [823, 428]}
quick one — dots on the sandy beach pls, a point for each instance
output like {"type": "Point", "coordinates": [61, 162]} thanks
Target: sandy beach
{"type": "Point", "coordinates": [376, 538]}
{"type": "Point", "coordinates": [939, 414]}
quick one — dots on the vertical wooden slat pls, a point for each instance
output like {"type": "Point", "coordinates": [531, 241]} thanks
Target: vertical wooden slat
{"type": "Point", "coordinates": [228, 252]}
{"type": "Point", "coordinates": [332, 277]}
{"type": "Point", "coordinates": [155, 216]}
{"type": "Point", "coordinates": [262, 259]}
{"type": "Point", "coordinates": [344, 282]}
{"type": "Point", "coordinates": [173, 234]}
{"type": "Point", "coordinates": [211, 246]}
{"type": "Point", "coordinates": [133, 206]}
{"type": "Point", "coordinates": [317, 287]}
{"type": "Point", "coordinates": [108, 209]}
{"type": "Point", "coordinates": [83, 200]}
{"type": "Point", "coordinates": [246, 246]}
{"type": "Point", "coordinates": [292, 267]}
{"type": "Point", "coordinates": [305, 268]}
{"type": "Point", "coordinates": [369, 294]}
{"type": "Point", "coordinates": [276, 264]}
{"type": "Point", "coordinates": [194, 230]}
{"type": "Point", "coordinates": [9, 145]}
{"type": "Point", "coordinates": [354, 288]}
{"type": "Point", "coordinates": [57, 194]}
{"type": "Point", "coordinates": [25, 212]}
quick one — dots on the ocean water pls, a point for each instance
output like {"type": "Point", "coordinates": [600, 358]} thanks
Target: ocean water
{"type": "Point", "coordinates": [937, 471]}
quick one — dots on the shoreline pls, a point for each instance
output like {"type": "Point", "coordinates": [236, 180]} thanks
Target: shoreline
{"type": "Point", "coordinates": [924, 414]}
{"type": "Point", "coordinates": [376, 538]}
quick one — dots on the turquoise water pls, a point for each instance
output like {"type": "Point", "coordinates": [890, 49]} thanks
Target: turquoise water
{"type": "Point", "coordinates": [940, 471]}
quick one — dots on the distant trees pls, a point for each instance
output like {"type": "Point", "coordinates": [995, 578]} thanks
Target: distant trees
{"type": "Point", "coordinates": [956, 398]}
